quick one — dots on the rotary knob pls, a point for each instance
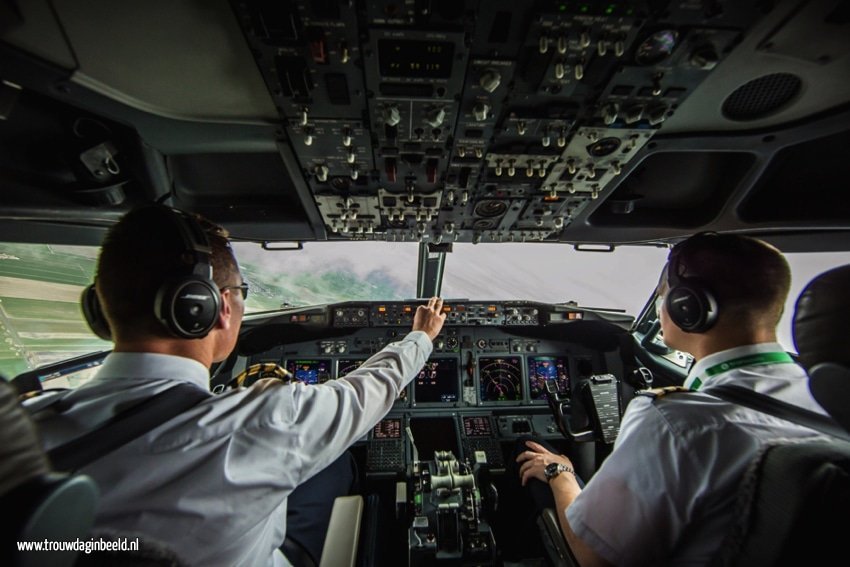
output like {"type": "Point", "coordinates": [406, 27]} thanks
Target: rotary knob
{"type": "Point", "coordinates": [705, 57]}
{"type": "Point", "coordinates": [481, 111]}
{"type": "Point", "coordinates": [391, 115]}
{"type": "Point", "coordinates": [609, 113]}
{"type": "Point", "coordinates": [490, 80]}
{"type": "Point", "coordinates": [435, 117]}
{"type": "Point", "coordinates": [656, 113]}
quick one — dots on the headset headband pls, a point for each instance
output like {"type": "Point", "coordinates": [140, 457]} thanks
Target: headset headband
{"type": "Point", "coordinates": [195, 242]}
{"type": "Point", "coordinates": [675, 269]}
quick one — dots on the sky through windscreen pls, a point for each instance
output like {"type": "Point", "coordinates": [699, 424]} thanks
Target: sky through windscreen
{"type": "Point", "coordinates": [40, 285]}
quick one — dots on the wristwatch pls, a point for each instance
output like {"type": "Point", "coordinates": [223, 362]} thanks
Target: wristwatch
{"type": "Point", "coordinates": [554, 469]}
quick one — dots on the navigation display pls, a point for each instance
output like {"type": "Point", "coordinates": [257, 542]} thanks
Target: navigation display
{"type": "Point", "coordinates": [500, 378]}
{"type": "Point", "coordinates": [437, 382]}
{"type": "Point", "coordinates": [477, 426]}
{"type": "Point", "coordinates": [389, 428]}
{"type": "Point", "coordinates": [312, 371]}
{"type": "Point", "coordinates": [345, 365]}
{"type": "Point", "coordinates": [542, 368]}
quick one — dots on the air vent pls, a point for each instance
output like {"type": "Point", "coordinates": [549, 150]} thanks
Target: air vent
{"type": "Point", "coordinates": [761, 97]}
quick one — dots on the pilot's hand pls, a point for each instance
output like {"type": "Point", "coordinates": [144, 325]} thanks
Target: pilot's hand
{"type": "Point", "coordinates": [535, 460]}
{"type": "Point", "coordinates": [430, 318]}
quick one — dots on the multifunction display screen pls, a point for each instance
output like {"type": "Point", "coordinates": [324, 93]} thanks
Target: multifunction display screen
{"type": "Point", "coordinates": [543, 368]}
{"type": "Point", "coordinates": [477, 426]}
{"type": "Point", "coordinates": [437, 382]}
{"type": "Point", "coordinates": [344, 366]}
{"type": "Point", "coordinates": [500, 378]}
{"type": "Point", "coordinates": [389, 428]}
{"type": "Point", "coordinates": [312, 371]}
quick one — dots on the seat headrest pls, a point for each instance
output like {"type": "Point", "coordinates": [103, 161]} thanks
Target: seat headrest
{"type": "Point", "coordinates": [821, 325]}
{"type": "Point", "coordinates": [21, 455]}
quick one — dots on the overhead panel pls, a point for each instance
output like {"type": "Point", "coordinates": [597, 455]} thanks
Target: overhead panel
{"type": "Point", "coordinates": [497, 121]}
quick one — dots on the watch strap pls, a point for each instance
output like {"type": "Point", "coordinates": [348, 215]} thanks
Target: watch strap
{"type": "Point", "coordinates": [552, 472]}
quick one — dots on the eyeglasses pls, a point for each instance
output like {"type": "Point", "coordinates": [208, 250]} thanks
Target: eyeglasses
{"type": "Point", "coordinates": [243, 287]}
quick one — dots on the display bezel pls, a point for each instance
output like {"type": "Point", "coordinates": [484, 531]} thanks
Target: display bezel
{"type": "Point", "coordinates": [415, 59]}
{"type": "Point", "coordinates": [459, 391]}
{"type": "Point", "coordinates": [479, 381]}
{"type": "Point", "coordinates": [339, 362]}
{"type": "Point", "coordinates": [486, 418]}
{"type": "Point", "coordinates": [399, 402]}
{"type": "Point", "coordinates": [373, 436]}
{"type": "Point", "coordinates": [528, 375]}
{"type": "Point", "coordinates": [291, 364]}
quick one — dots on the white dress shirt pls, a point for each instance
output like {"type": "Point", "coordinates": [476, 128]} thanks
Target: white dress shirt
{"type": "Point", "coordinates": [665, 494]}
{"type": "Point", "coordinates": [212, 483]}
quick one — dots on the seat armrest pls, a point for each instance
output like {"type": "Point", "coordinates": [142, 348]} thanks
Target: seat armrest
{"type": "Point", "coordinates": [340, 549]}
{"type": "Point", "coordinates": [553, 539]}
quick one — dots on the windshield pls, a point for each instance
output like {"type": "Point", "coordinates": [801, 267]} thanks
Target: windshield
{"type": "Point", "coordinates": [40, 284]}
{"type": "Point", "coordinates": [327, 272]}
{"type": "Point", "coordinates": [551, 273]}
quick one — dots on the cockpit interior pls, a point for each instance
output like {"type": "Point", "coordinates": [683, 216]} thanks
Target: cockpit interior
{"type": "Point", "coordinates": [426, 128]}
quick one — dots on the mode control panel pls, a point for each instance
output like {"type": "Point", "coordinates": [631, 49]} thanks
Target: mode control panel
{"type": "Point", "coordinates": [458, 313]}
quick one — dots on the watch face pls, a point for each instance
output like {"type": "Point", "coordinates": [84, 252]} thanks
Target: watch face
{"type": "Point", "coordinates": [551, 471]}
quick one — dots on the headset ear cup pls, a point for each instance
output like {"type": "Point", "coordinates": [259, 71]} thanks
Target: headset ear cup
{"type": "Point", "coordinates": [188, 307]}
{"type": "Point", "coordinates": [93, 313]}
{"type": "Point", "coordinates": [691, 308]}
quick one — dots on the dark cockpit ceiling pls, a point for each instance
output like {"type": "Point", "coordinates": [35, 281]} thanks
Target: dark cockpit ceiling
{"type": "Point", "coordinates": [430, 121]}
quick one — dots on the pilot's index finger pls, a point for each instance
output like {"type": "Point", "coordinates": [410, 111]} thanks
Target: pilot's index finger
{"type": "Point", "coordinates": [438, 304]}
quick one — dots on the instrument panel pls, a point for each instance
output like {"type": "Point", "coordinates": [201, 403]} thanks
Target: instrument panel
{"type": "Point", "coordinates": [483, 386]}
{"type": "Point", "coordinates": [489, 354]}
{"type": "Point", "coordinates": [444, 382]}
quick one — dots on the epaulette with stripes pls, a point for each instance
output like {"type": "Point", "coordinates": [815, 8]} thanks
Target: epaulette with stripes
{"type": "Point", "coordinates": [656, 393]}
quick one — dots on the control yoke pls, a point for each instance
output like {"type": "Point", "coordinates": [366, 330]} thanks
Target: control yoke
{"type": "Point", "coordinates": [599, 397]}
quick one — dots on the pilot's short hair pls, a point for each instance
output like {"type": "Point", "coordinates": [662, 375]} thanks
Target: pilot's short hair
{"type": "Point", "coordinates": [747, 276]}
{"type": "Point", "coordinates": [139, 254]}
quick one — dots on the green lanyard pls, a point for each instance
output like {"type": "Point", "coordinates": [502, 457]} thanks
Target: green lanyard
{"type": "Point", "coordinates": [749, 360]}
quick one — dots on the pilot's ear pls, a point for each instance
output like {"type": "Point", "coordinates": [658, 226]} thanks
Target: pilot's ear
{"type": "Point", "coordinates": [225, 312]}
{"type": "Point", "coordinates": [661, 288]}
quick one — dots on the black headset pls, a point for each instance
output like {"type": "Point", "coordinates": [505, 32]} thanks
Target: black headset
{"type": "Point", "coordinates": [188, 303]}
{"type": "Point", "coordinates": [689, 301]}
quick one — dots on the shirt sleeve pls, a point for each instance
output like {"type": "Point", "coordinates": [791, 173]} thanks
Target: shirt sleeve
{"type": "Point", "coordinates": [634, 508]}
{"type": "Point", "coordinates": [315, 424]}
